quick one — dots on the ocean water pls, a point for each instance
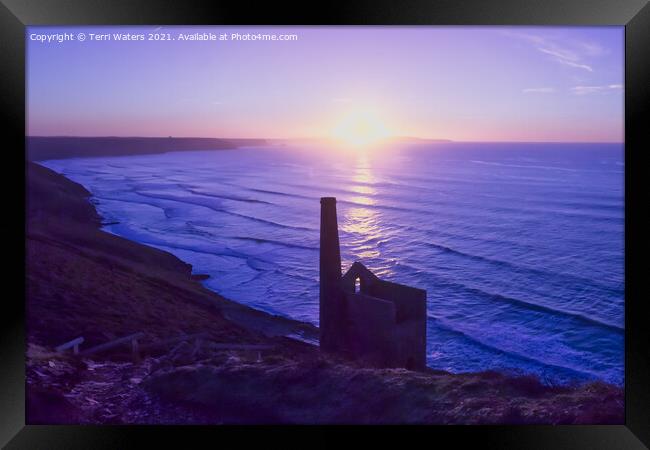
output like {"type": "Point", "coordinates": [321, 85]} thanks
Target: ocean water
{"type": "Point", "coordinates": [519, 246]}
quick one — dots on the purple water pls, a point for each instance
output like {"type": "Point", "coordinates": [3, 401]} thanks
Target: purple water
{"type": "Point", "coordinates": [519, 246]}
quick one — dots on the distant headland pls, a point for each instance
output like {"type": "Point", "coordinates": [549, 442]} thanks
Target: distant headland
{"type": "Point", "coordinates": [41, 148]}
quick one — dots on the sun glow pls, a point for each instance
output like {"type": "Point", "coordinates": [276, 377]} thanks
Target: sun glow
{"type": "Point", "coordinates": [360, 129]}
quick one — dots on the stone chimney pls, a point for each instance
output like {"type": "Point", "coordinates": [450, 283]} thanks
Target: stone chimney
{"type": "Point", "coordinates": [332, 303]}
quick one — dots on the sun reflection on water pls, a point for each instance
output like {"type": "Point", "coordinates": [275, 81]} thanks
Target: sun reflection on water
{"type": "Point", "coordinates": [361, 221]}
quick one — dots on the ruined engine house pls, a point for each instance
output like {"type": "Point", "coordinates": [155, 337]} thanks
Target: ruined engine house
{"type": "Point", "coordinates": [361, 316]}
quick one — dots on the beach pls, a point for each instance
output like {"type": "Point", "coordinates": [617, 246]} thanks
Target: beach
{"type": "Point", "coordinates": [82, 281]}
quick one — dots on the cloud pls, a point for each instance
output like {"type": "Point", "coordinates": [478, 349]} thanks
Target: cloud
{"type": "Point", "coordinates": [592, 49]}
{"type": "Point", "coordinates": [566, 57]}
{"type": "Point", "coordinates": [584, 90]}
{"type": "Point", "coordinates": [575, 64]}
{"type": "Point", "coordinates": [560, 53]}
{"type": "Point", "coordinates": [539, 90]}
{"type": "Point", "coordinates": [341, 100]}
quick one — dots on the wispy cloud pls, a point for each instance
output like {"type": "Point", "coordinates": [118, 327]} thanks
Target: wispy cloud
{"type": "Point", "coordinates": [584, 90]}
{"type": "Point", "coordinates": [559, 52]}
{"type": "Point", "coordinates": [539, 90]}
{"type": "Point", "coordinates": [567, 62]}
{"type": "Point", "coordinates": [592, 49]}
{"type": "Point", "coordinates": [563, 56]}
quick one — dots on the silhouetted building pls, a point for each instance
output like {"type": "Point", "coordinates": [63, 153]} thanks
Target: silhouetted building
{"type": "Point", "coordinates": [361, 316]}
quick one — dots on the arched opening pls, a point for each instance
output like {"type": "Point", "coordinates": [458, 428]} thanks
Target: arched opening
{"type": "Point", "coordinates": [357, 285]}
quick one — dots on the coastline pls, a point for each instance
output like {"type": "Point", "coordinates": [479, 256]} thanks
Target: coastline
{"type": "Point", "coordinates": [77, 223]}
{"type": "Point", "coordinates": [71, 262]}
{"type": "Point", "coordinates": [40, 148]}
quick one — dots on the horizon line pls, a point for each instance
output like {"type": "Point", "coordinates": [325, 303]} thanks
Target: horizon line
{"type": "Point", "coordinates": [439, 140]}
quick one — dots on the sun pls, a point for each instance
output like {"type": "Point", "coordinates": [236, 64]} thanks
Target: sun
{"type": "Point", "coordinates": [360, 129]}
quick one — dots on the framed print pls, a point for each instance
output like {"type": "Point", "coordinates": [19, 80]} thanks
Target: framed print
{"type": "Point", "coordinates": [267, 217]}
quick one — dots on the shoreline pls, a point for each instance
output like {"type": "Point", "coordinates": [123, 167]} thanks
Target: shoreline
{"type": "Point", "coordinates": [80, 216]}
{"type": "Point", "coordinates": [83, 280]}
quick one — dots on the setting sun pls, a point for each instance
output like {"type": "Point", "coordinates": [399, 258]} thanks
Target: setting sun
{"type": "Point", "coordinates": [360, 129]}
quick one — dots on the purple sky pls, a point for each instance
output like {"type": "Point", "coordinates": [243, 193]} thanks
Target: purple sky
{"type": "Point", "coordinates": [460, 83]}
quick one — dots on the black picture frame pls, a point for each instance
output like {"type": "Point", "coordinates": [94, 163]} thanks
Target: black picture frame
{"type": "Point", "coordinates": [15, 15]}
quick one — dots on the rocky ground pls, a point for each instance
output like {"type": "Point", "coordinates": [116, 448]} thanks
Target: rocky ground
{"type": "Point", "coordinates": [186, 386]}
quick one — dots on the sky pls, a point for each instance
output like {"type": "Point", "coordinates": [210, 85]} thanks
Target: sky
{"type": "Point", "coordinates": [562, 84]}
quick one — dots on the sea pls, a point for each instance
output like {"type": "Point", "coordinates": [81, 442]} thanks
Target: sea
{"type": "Point", "coordinates": [520, 246]}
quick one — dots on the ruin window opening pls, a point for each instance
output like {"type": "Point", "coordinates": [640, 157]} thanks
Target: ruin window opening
{"type": "Point", "coordinates": [357, 285]}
